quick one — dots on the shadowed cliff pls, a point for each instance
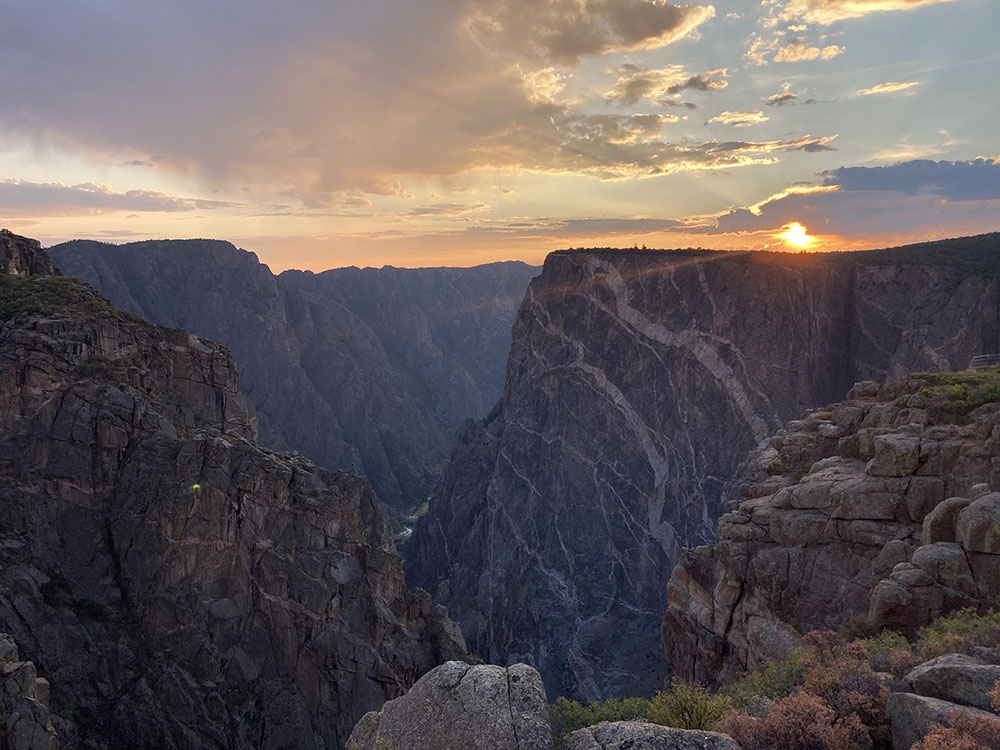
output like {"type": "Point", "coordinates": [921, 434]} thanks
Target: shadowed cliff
{"type": "Point", "coordinates": [366, 369]}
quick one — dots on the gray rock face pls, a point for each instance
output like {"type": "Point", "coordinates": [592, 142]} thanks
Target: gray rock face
{"type": "Point", "coordinates": [364, 369]}
{"type": "Point", "coordinates": [911, 716]}
{"type": "Point", "coordinates": [956, 678]}
{"type": "Point", "coordinates": [637, 384]}
{"type": "Point", "coordinates": [460, 707]}
{"type": "Point", "coordinates": [21, 256]}
{"type": "Point", "coordinates": [25, 721]}
{"type": "Point", "coordinates": [794, 556]}
{"type": "Point", "coordinates": [180, 586]}
{"type": "Point", "coordinates": [637, 735]}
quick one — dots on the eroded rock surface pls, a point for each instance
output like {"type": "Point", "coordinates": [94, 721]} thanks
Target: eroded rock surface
{"type": "Point", "coordinates": [890, 516]}
{"type": "Point", "coordinates": [25, 720]}
{"type": "Point", "coordinates": [364, 369]}
{"type": "Point", "coordinates": [179, 586]}
{"type": "Point", "coordinates": [637, 384]}
{"type": "Point", "coordinates": [638, 735]}
{"type": "Point", "coordinates": [462, 707]}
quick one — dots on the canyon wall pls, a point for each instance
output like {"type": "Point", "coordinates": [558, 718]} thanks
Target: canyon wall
{"type": "Point", "coordinates": [364, 369]}
{"type": "Point", "coordinates": [637, 384]}
{"type": "Point", "coordinates": [174, 584]}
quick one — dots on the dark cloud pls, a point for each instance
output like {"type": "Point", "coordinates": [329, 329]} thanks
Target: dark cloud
{"type": "Point", "coordinates": [563, 31]}
{"type": "Point", "coordinates": [862, 201]}
{"type": "Point", "coordinates": [954, 180]}
{"type": "Point", "coordinates": [783, 97]}
{"type": "Point", "coordinates": [635, 84]}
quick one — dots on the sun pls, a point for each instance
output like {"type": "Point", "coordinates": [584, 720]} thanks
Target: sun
{"type": "Point", "coordinates": [795, 235]}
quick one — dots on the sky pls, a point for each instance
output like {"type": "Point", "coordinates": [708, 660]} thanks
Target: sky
{"type": "Point", "coordinates": [321, 134]}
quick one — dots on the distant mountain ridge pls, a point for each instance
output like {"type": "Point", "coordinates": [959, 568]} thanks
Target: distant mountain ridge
{"type": "Point", "coordinates": [367, 369]}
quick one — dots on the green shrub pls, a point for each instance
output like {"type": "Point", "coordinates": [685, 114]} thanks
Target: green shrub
{"type": "Point", "coordinates": [688, 707]}
{"type": "Point", "coordinates": [882, 647]}
{"type": "Point", "coordinates": [959, 631]}
{"type": "Point", "coordinates": [800, 472]}
{"type": "Point", "coordinates": [776, 680]}
{"type": "Point", "coordinates": [568, 716]}
{"type": "Point", "coordinates": [957, 394]}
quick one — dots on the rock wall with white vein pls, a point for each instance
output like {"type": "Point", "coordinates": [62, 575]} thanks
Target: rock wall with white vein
{"type": "Point", "coordinates": [637, 384]}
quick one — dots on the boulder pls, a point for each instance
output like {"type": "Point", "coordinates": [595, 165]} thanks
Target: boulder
{"type": "Point", "coordinates": [895, 456]}
{"type": "Point", "coordinates": [939, 524]}
{"type": "Point", "coordinates": [911, 715]}
{"type": "Point", "coordinates": [978, 528]}
{"type": "Point", "coordinates": [640, 735]}
{"type": "Point", "coordinates": [460, 707]}
{"type": "Point", "coordinates": [956, 678]}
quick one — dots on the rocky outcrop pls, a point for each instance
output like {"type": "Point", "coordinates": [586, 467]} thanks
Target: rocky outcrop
{"type": "Point", "coordinates": [22, 256]}
{"type": "Point", "coordinates": [957, 678]}
{"type": "Point", "coordinates": [25, 721]}
{"type": "Point", "coordinates": [462, 707]}
{"type": "Point", "coordinates": [636, 386]}
{"type": "Point", "coordinates": [179, 586]}
{"type": "Point", "coordinates": [889, 517]}
{"type": "Point", "coordinates": [364, 369]}
{"type": "Point", "coordinates": [941, 689]}
{"type": "Point", "coordinates": [638, 735]}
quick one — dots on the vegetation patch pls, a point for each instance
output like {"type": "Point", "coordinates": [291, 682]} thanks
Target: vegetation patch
{"type": "Point", "coordinates": [956, 394]}
{"type": "Point", "coordinates": [21, 296]}
{"type": "Point", "coordinates": [800, 472]}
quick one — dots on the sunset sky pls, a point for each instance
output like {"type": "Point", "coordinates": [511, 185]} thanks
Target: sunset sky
{"type": "Point", "coordinates": [325, 133]}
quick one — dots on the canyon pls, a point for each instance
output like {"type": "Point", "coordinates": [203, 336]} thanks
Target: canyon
{"type": "Point", "coordinates": [637, 384]}
{"type": "Point", "coordinates": [364, 369]}
{"type": "Point", "coordinates": [173, 583]}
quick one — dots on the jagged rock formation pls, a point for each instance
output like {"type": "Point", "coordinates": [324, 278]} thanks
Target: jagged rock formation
{"type": "Point", "coordinates": [637, 735]}
{"type": "Point", "coordinates": [462, 707]}
{"type": "Point", "coordinates": [636, 386]}
{"type": "Point", "coordinates": [367, 369]}
{"type": "Point", "coordinates": [878, 506]}
{"type": "Point", "coordinates": [21, 256]}
{"type": "Point", "coordinates": [25, 721]}
{"type": "Point", "coordinates": [179, 586]}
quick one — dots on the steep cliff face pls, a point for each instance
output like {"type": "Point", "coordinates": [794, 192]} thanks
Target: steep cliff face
{"type": "Point", "coordinates": [889, 516]}
{"type": "Point", "coordinates": [636, 386]}
{"type": "Point", "coordinates": [176, 584]}
{"type": "Point", "coordinates": [369, 369]}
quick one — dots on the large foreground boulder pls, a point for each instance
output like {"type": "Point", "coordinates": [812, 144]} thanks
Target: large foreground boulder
{"type": "Point", "coordinates": [460, 707]}
{"type": "Point", "coordinates": [912, 715]}
{"type": "Point", "coordinates": [639, 735]}
{"type": "Point", "coordinates": [957, 678]}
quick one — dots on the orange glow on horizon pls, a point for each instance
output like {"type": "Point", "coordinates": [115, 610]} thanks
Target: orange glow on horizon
{"type": "Point", "coordinates": [796, 236]}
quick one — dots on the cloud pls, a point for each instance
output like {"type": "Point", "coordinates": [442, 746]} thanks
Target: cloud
{"type": "Point", "coordinates": [563, 31]}
{"type": "Point", "coordinates": [910, 197]}
{"type": "Point", "coordinates": [955, 180]}
{"type": "Point", "coordinates": [334, 105]}
{"type": "Point", "coordinates": [635, 84]}
{"type": "Point", "coordinates": [740, 118]}
{"type": "Point", "coordinates": [448, 209]}
{"type": "Point", "coordinates": [889, 88]}
{"type": "Point", "coordinates": [22, 198]}
{"type": "Point", "coordinates": [797, 51]}
{"type": "Point", "coordinates": [830, 11]}
{"type": "Point", "coordinates": [785, 96]}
